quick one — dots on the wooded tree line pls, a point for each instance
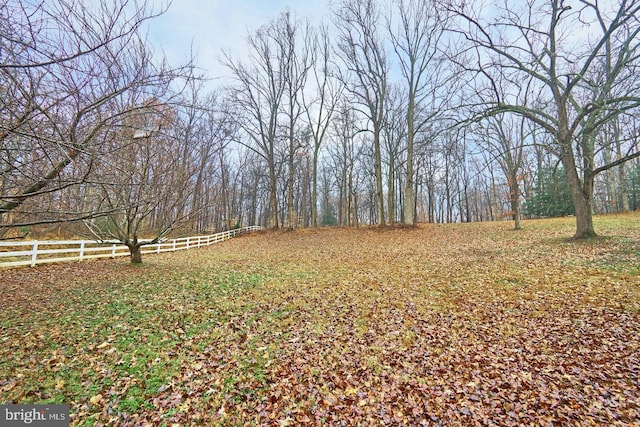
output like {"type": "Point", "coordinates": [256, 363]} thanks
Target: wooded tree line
{"type": "Point", "coordinates": [402, 112]}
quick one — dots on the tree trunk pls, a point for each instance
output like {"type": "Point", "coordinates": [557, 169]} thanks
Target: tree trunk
{"type": "Point", "coordinates": [516, 212]}
{"type": "Point", "coordinates": [582, 196]}
{"type": "Point", "coordinates": [514, 190]}
{"type": "Point", "coordinates": [273, 198]}
{"type": "Point", "coordinates": [342, 200]}
{"type": "Point", "coordinates": [136, 253]}
{"type": "Point", "coordinates": [584, 217]}
{"type": "Point", "coordinates": [352, 193]}
{"type": "Point", "coordinates": [378, 172]}
{"type": "Point", "coordinates": [391, 202]}
{"type": "Point", "coordinates": [622, 178]}
{"type": "Point", "coordinates": [314, 188]}
{"type": "Point", "coordinates": [431, 205]}
{"type": "Point", "coordinates": [291, 214]}
{"type": "Point", "coordinates": [304, 217]}
{"type": "Point", "coordinates": [409, 202]}
{"type": "Point", "coordinates": [623, 193]}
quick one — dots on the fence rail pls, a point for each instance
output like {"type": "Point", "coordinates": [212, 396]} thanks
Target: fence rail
{"type": "Point", "coordinates": [36, 252]}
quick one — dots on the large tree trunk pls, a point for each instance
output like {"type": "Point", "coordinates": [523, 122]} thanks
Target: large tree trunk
{"type": "Point", "coordinates": [582, 195]}
{"type": "Point", "coordinates": [136, 253]}
{"type": "Point", "coordinates": [584, 219]}
{"type": "Point", "coordinates": [409, 202]}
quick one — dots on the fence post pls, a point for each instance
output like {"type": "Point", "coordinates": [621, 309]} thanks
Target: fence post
{"type": "Point", "coordinates": [34, 254]}
{"type": "Point", "coordinates": [81, 254]}
{"type": "Point", "coordinates": [113, 251]}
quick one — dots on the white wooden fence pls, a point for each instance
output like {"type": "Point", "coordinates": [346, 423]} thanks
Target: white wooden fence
{"type": "Point", "coordinates": [36, 252]}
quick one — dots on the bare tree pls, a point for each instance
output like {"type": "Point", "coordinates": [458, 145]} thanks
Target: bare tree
{"type": "Point", "coordinates": [258, 95]}
{"type": "Point", "coordinates": [505, 138]}
{"type": "Point", "coordinates": [65, 66]}
{"type": "Point", "coordinates": [321, 108]}
{"type": "Point", "coordinates": [582, 80]}
{"type": "Point", "coordinates": [362, 51]}
{"type": "Point", "coordinates": [342, 157]}
{"type": "Point", "coordinates": [144, 188]}
{"type": "Point", "coordinates": [428, 79]}
{"type": "Point", "coordinates": [205, 125]}
{"type": "Point", "coordinates": [294, 38]}
{"type": "Point", "coordinates": [394, 135]}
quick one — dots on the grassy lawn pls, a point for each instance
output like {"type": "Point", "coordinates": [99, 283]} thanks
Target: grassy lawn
{"type": "Point", "coordinates": [460, 324]}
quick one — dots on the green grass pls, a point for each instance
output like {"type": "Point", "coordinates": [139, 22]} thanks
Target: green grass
{"type": "Point", "coordinates": [122, 340]}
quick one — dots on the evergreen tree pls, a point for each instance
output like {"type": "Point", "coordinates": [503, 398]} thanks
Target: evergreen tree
{"type": "Point", "coordinates": [329, 216]}
{"type": "Point", "coordinates": [551, 196]}
{"type": "Point", "coordinates": [633, 187]}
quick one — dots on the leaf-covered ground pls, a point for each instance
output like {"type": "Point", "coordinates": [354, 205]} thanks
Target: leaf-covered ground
{"type": "Point", "coordinates": [466, 324]}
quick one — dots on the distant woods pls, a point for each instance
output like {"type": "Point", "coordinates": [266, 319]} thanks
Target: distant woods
{"type": "Point", "coordinates": [418, 111]}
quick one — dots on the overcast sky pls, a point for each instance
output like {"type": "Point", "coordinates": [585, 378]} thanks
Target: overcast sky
{"type": "Point", "coordinates": [213, 25]}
